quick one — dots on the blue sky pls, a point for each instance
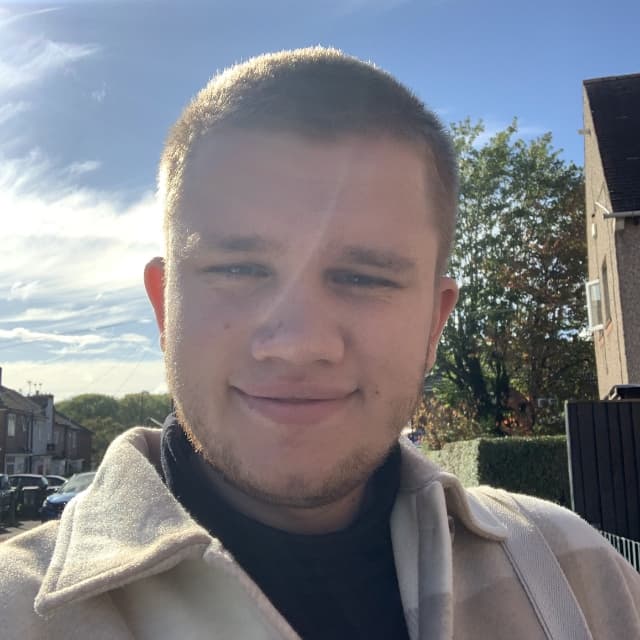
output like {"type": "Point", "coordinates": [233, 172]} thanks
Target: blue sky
{"type": "Point", "coordinates": [89, 89]}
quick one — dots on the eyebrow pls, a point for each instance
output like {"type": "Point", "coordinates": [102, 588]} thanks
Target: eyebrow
{"type": "Point", "coordinates": [234, 243]}
{"type": "Point", "coordinates": [383, 259]}
{"type": "Point", "coordinates": [354, 254]}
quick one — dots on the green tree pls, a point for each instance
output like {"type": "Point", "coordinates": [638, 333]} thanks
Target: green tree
{"type": "Point", "coordinates": [516, 334]}
{"type": "Point", "coordinates": [89, 405]}
{"type": "Point", "coordinates": [105, 430]}
{"type": "Point", "coordinates": [137, 408]}
{"type": "Point", "coordinates": [108, 417]}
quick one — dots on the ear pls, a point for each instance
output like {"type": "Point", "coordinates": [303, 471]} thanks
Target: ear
{"type": "Point", "coordinates": [445, 298]}
{"type": "Point", "coordinates": [154, 284]}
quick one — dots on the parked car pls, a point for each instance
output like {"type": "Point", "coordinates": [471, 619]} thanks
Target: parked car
{"type": "Point", "coordinates": [56, 481]}
{"type": "Point", "coordinates": [7, 501]}
{"type": "Point", "coordinates": [54, 504]}
{"type": "Point", "coordinates": [31, 490]}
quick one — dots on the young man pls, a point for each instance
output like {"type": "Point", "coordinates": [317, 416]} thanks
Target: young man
{"type": "Point", "coordinates": [309, 204]}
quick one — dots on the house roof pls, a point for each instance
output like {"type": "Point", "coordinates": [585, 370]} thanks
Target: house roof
{"type": "Point", "coordinates": [615, 107]}
{"type": "Point", "coordinates": [14, 401]}
{"type": "Point", "coordinates": [64, 421]}
{"type": "Point", "coordinates": [41, 400]}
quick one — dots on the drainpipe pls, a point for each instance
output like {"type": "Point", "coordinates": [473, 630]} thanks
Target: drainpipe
{"type": "Point", "coordinates": [30, 442]}
{"type": "Point", "coordinates": [3, 430]}
{"type": "Point", "coordinates": [64, 449]}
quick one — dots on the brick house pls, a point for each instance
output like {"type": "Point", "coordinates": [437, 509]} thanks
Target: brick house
{"type": "Point", "coordinates": [24, 433]}
{"type": "Point", "coordinates": [612, 182]}
{"type": "Point", "coordinates": [72, 445]}
{"type": "Point", "coordinates": [36, 438]}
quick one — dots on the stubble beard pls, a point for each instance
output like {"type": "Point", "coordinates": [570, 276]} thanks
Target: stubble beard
{"type": "Point", "coordinates": [296, 490]}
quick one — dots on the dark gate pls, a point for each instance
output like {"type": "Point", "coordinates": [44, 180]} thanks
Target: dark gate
{"type": "Point", "coordinates": [603, 443]}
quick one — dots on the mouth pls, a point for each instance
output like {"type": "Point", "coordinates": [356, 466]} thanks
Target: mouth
{"type": "Point", "coordinates": [295, 410]}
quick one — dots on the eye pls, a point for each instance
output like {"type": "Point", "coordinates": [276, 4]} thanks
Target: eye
{"type": "Point", "coordinates": [361, 280]}
{"type": "Point", "coordinates": [241, 270]}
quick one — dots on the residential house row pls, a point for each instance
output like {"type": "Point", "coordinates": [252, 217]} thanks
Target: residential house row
{"type": "Point", "coordinates": [612, 183]}
{"type": "Point", "coordinates": [37, 438]}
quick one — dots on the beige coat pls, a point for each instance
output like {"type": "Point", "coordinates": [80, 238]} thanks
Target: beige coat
{"type": "Point", "coordinates": [126, 561]}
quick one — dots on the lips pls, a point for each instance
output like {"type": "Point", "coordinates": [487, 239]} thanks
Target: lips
{"type": "Point", "coordinates": [285, 406]}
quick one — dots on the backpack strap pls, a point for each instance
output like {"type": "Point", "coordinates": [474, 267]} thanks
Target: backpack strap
{"type": "Point", "coordinates": [537, 568]}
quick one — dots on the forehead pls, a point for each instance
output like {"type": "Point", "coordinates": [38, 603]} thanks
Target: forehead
{"type": "Point", "coordinates": [285, 184]}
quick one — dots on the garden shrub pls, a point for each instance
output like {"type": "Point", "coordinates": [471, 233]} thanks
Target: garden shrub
{"type": "Point", "coordinates": [536, 466]}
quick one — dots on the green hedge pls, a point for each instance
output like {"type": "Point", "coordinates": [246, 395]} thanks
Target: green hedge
{"type": "Point", "coordinates": [535, 466]}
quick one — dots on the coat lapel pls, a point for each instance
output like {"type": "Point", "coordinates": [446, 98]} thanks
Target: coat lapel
{"type": "Point", "coordinates": [421, 533]}
{"type": "Point", "coordinates": [124, 527]}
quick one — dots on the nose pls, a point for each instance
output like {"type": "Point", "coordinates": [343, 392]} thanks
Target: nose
{"type": "Point", "coordinates": [299, 328]}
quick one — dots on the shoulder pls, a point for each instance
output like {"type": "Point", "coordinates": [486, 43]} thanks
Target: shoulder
{"type": "Point", "coordinates": [27, 555]}
{"type": "Point", "coordinates": [565, 532]}
{"type": "Point", "coordinates": [562, 528]}
{"type": "Point", "coordinates": [24, 561]}
{"type": "Point", "coordinates": [606, 586]}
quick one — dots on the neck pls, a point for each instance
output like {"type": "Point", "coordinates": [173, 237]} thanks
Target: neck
{"type": "Point", "coordinates": [312, 520]}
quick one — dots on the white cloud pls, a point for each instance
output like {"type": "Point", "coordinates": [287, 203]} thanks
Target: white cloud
{"type": "Point", "coordinates": [133, 338]}
{"type": "Point", "coordinates": [68, 317]}
{"type": "Point", "coordinates": [26, 335]}
{"type": "Point", "coordinates": [38, 314]}
{"type": "Point", "coordinates": [7, 18]}
{"type": "Point", "coordinates": [12, 109]}
{"type": "Point", "coordinates": [101, 350]}
{"type": "Point", "coordinates": [76, 243]}
{"type": "Point", "coordinates": [29, 61]}
{"type": "Point", "coordinates": [98, 95]}
{"type": "Point", "coordinates": [22, 290]}
{"type": "Point", "coordinates": [83, 340]}
{"type": "Point", "coordinates": [73, 377]}
{"type": "Point", "coordinates": [73, 257]}
{"type": "Point", "coordinates": [78, 168]}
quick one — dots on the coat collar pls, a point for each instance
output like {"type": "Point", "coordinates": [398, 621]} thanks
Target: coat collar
{"type": "Point", "coordinates": [128, 525]}
{"type": "Point", "coordinates": [125, 526]}
{"type": "Point", "coordinates": [419, 472]}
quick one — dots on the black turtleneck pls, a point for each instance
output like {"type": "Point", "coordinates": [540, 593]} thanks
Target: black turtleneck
{"type": "Point", "coordinates": [332, 586]}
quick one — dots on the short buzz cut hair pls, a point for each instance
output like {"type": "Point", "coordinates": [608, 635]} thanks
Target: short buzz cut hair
{"type": "Point", "coordinates": [322, 94]}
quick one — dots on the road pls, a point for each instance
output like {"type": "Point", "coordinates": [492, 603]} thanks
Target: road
{"type": "Point", "coordinates": [24, 525]}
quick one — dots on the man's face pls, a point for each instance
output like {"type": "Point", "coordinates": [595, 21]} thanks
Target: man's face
{"type": "Point", "coordinates": [301, 308]}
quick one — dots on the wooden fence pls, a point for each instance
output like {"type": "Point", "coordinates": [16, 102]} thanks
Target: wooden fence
{"type": "Point", "coordinates": [603, 444]}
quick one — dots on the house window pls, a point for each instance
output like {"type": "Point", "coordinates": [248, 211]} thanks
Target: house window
{"type": "Point", "coordinates": [11, 425]}
{"type": "Point", "coordinates": [10, 464]}
{"type": "Point", "coordinates": [605, 294]}
{"type": "Point", "coordinates": [56, 437]}
{"type": "Point", "coordinates": [594, 305]}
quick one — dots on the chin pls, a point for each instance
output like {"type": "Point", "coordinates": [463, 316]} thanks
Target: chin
{"type": "Point", "coordinates": [305, 482]}
{"type": "Point", "coordinates": [297, 490]}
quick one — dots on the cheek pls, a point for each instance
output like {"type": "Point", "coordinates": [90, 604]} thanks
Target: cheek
{"type": "Point", "coordinates": [207, 328]}
{"type": "Point", "coordinates": [395, 348]}
{"type": "Point", "coordinates": [214, 339]}
{"type": "Point", "coordinates": [197, 323]}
